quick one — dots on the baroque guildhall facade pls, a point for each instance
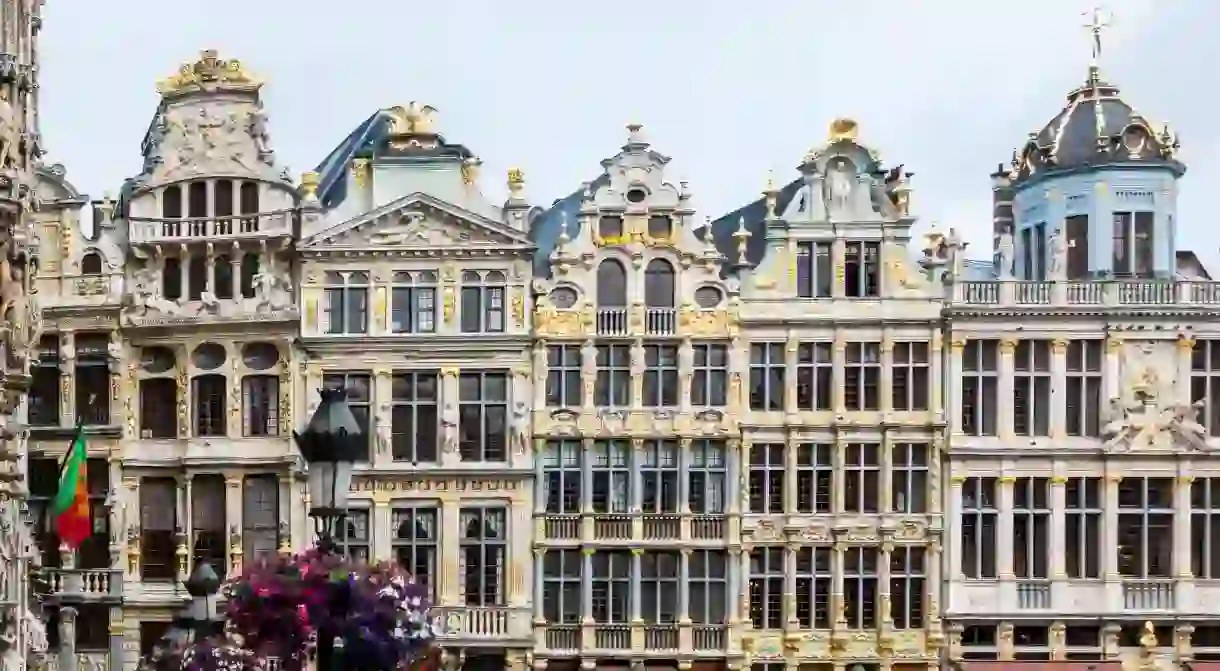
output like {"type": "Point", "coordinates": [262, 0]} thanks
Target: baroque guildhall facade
{"type": "Point", "coordinates": [612, 433]}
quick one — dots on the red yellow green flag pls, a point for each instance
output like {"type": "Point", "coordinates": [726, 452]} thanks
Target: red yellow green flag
{"type": "Point", "coordinates": [71, 508]}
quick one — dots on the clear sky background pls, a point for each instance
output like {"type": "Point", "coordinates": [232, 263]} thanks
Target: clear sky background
{"type": "Point", "coordinates": [730, 90]}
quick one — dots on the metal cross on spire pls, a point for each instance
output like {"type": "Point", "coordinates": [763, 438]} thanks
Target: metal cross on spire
{"type": "Point", "coordinates": [1099, 20]}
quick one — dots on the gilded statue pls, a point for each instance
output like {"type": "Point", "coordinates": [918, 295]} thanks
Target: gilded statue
{"type": "Point", "coordinates": [10, 130]}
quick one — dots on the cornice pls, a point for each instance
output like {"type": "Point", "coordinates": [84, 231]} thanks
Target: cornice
{"type": "Point", "coordinates": [416, 346]}
{"type": "Point", "coordinates": [368, 252]}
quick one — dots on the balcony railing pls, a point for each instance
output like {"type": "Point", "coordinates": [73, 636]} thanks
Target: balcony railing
{"type": "Point", "coordinates": [617, 321]}
{"type": "Point", "coordinates": [84, 584]}
{"type": "Point", "coordinates": [612, 637]}
{"type": "Point", "coordinates": [619, 638]}
{"type": "Point", "coordinates": [633, 527]}
{"type": "Point", "coordinates": [660, 637]}
{"type": "Point", "coordinates": [1148, 595]}
{"type": "Point", "coordinates": [1033, 594]}
{"type": "Point", "coordinates": [488, 623]}
{"type": "Point", "coordinates": [1100, 293]}
{"type": "Point", "coordinates": [85, 661]}
{"type": "Point", "coordinates": [188, 229]}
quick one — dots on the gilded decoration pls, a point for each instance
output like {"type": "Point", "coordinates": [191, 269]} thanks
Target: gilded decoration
{"type": "Point", "coordinates": [207, 72]}
{"type": "Point", "coordinates": [551, 322]}
{"type": "Point", "coordinates": [361, 171]}
{"type": "Point", "coordinates": [309, 185]}
{"type": "Point", "coordinates": [414, 119]}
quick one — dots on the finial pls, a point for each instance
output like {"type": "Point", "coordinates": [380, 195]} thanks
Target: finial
{"type": "Point", "coordinates": [309, 186]}
{"type": "Point", "coordinates": [516, 183]}
{"type": "Point", "coordinates": [414, 119]}
{"type": "Point", "coordinates": [742, 236]}
{"type": "Point", "coordinates": [564, 238]}
{"type": "Point", "coordinates": [770, 185]}
{"type": "Point", "coordinates": [635, 137]}
{"type": "Point", "coordinates": [209, 72]}
{"type": "Point", "coordinates": [770, 194]}
{"type": "Point", "coordinates": [844, 129]}
{"type": "Point", "coordinates": [1099, 20]}
{"type": "Point", "coordinates": [470, 170]}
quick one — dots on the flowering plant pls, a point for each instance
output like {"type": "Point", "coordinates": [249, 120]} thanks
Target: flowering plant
{"type": "Point", "coordinates": [279, 604]}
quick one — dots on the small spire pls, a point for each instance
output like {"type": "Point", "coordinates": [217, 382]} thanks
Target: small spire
{"type": "Point", "coordinates": [516, 183]}
{"type": "Point", "coordinates": [1099, 20]}
{"type": "Point", "coordinates": [709, 243]}
{"type": "Point", "coordinates": [635, 138]}
{"type": "Point", "coordinates": [564, 238]}
{"type": "Point", "coordinates": [770, 194]}
{"type": "Point", "coordinates": [742, 235]}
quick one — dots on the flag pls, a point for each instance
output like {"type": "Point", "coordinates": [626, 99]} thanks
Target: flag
{"type": "Point", "coordinates": [73, 521]}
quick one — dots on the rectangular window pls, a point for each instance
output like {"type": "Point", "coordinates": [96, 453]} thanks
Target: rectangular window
{"type": "Point", "coordinates": [209, 533]}
{"type": "Point", "coordinates": [767, 587]}
{"type": "Point", "coordinates": [1077, 241]}
{"type": "Point", "coordinates": [1084, 388]}
{"type": "Point", "coordinates": [910, 373]}
{"type": "Point", "coordinates": [158, 408]}
{"type": "Point", "coordinates": [767, 477]}
{"type": "Point", "coordinates": [909, 475]}
{"type": "Point", "coordinates": [979, 521]}
{"type": "Point", "coordinates": [907, 584]}
{"type": "Point", "coordinates": [815, 376]}
{"type": "Point", "coordinates": [1031, 522]}
{"type": "Point", "coordinates": [1083, 515]}
{"type": "Point", "coordinates": [483, 416]}
{"type": "Point", "coordinates": [1143, 248]}
{"type": "Point", "coordinates": [359, 387]}
{"type": "Point", "coordinates": [346, 302]}
{"type": "Point", "coordinates": [814, 580]}
{"type": "Point", "coordinates": [43, 478]}
{"type": "Point", "coordinates": [860, 587]}
{"type": "Point", "coordinates": [482, 308]}
{"type": "Point", "coordinates": [260, 517]}
{"type": "Point", "coordinates": [767, 379]}
{"type": "Point", "coordinates": [612, 389]}
{"type": "Point", "coordinates": [484, 555]}
{"type": "Point", "coordinates": [260, 400]}
{"type": "Point", "coordinates": [862, 478]}
{"type": "Point", "coordinates": [563, 376]}
{"type": "Point", "coordinates": [814, 270]}
{"type": "Point", "coordinates": [413, 540]}
{"type": "Point", "coordinates": [92, 380]}
{"type": "Point", "coordinates": [210, 393]}
{"type": "Point", "coordinates": [413, 302]}
{"type": "Point", "coordinates": [611, 586]}
{"type": "Point", "coordinates": [706, 474]}
{"type": "Point", "coordinates": [710, 383]}
{"type": "Point", "coordinates": [353, 540]}
{"type": "Point", "coordinates": [561, 476]}
{"type": "Point", "coordinates": [1145, 527]}
{"type": "Point", "coordinates": [43, 400]}
{"type": "Point", "coordinates": [661, 376]}
{"type": "Point", "coordinates": [1027, 253]}
{"type": "Point", "coordinates": [862, 270]}
{"type": "Point", "coordinates": [1031, 388]}
{"type": "Point", "coordinates": [1205, 528]}
{"type": "Point", "coordinates": [1133, 244]}
{"type": "Point", "coordinates": [561, 594]}
{"type": "Point", "coordinates": [611, 476]}
{"type": "Point", "coordinates": [1205, 383]}
{"type": "Point", "coordinates": [659, 476]}
{"type": "Point", "coordinates": [862, 376]}
{"type": "Point", "coordinates": [415, 416]}
{"type": "Point", "coordinates": [1039, 251]}
{"type": "Point", "coordinates": [158, 524]}
{"type": "Point", "coordinates": [814, 477]}
{"type": "Point", "coordinates": [980, 373]}
{"type": "Point", "coordinates": [659, 580]}
{"type": "Point", "coordinates": [708, 582]}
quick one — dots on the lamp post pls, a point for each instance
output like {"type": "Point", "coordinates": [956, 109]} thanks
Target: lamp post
{"type": "Point", "coordinates": [330, 444]}
{"type": "Point", "coordinates": [201, 618]}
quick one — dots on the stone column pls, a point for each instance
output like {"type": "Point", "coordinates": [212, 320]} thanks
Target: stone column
{"type": "Point", "coordinates": [886, 388]}
{"type": "Point", "coordinates": [838, 252]}
{"type": "Point", "coordinates": [1058, 531]}
{"type": "Point", "coordinates": [1004, 396]}
{"type": "Point", "coordinates": [449, 454]}
{"type": "Point", "coordinates": [381, 528]}
{"type": "Point", "coordinates": [886, 479]}
{"type": "Point", "coordinates": [1110, 382]}
{"type": "Point", "coordinates": [636, 579]}
{"type": "Point", "coordinates": [117, 631]}
{"type": "Point", "coordinates": [67, 365]}
{"type": "Point", "coordinates": [936, 374]}
{"type": "Point", "coordinates": [839, 395]}
{"type": "Point", "coordinates": [233, 520]}
{"type": "Point", "coordinates": [1059, 362]}
{"type": "Point", "coordinates": [1185, 353]}
{"type": "Point", "coordinates": [789, 600]}
{"type": "Point", "coordinates": [586, 586]}
{"type": "Point", "coordinates": [790, 362]}
{"type": "Point", "coordinates": [684, 588]}
{"type": "Point", "coordinates": [539, 582]}
{"type": "Point", "coordinates": [885, 603]}
{"type": "Point", "coordinates": [67, 638]}
{"type": "Point", "coordinates": [381, 451]}
{"type": "Point", "coordinates": [1182, 542]}
{"type": "Point", "coordinates": [287, 505]}
{"type": "Point", "coordinates": [1004, 547]}
{"type": "Point", "coordinates": [1109, 546]}
{"type": "Point", "coordinates": [837, 459]}
{"type": "Point", "coordinates": [956, 347]}
{"type": "Point", "coordinates": [684, 461]}
{"type": "Point", "coordinates": [450, 533]}
{"type": "Point", "coordinates": [953, 510]}
{"type": "Point", "coordinates": [790, 471]}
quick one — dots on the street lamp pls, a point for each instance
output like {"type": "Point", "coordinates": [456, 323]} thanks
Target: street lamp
{"type": "Point", "coordinates": [330, 444]}
{"type": "Point", "coordinates": [201, 617]}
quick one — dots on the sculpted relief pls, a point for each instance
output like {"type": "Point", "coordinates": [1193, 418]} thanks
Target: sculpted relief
{"type": "Point", "coordinates": [218, 138]}
{"type": "Point", "coordinates": [1148, 413]}
{"type": "Point", "coordinates": [145, 299]}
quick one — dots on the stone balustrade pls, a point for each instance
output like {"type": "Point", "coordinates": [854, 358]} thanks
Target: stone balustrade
{"type": "Point", "coordinates": [210, 229]}
{"type": "Point", "coordinates": [1098, 293]}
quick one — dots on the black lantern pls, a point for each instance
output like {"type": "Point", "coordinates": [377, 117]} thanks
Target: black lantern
{"type": "Point", "coordinates": [330, 444]}
{"type": "Point", "coordinates": [201, 618]}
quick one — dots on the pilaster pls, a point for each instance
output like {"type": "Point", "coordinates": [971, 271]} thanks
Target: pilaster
{"type": "Point", "coordinates": [1004, 396]}
{"type": "Point", "coordinates": [1058, 426]}
{"type": "Point", "coordinates": [956, 348]}
{"type": "Point", "coordinates": [233, 518]}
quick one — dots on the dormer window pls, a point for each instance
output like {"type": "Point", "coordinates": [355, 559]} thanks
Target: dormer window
{"type": "Point", "coordinates": [660, 227]}
{"type": "Point", "coordinates": [610, 227]}
{"type": "Point", "coordinates": [636, 195]}
{"type": "Point", "coordinates": [91, 264]}
{"type": "Point", "coordinates": [862, 276]}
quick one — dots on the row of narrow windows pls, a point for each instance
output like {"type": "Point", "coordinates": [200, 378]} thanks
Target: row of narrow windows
{"type": "Point", "coordinates": [191, 199]}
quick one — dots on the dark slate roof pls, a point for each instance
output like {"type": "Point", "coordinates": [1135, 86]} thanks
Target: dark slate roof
{"type": "Point", "coordinates": [369, 140]}
{"type": "Point", "coordinates": [755, 215]}
{"type": "Point", "coordinates": [1089, 132]}
{"type": "Point", "coordinates": [545, 227]}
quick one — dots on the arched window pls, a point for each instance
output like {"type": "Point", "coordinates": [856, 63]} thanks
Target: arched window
{"type": "Point", "coordinates": [91, 264]}
{"type": "Point", "coordinates": [611, 284]}
{"type": "Point", "coordinates": [659, 284]}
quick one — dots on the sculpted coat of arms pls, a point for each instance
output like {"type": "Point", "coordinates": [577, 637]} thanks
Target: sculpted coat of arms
{"type": "Point", "coordinates": [1145, 416]}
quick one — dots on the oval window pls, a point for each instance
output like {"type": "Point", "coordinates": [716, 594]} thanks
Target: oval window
{"type": "Point", "coordinates": [707, 297]}
{"type": "Point", "coordinates": [636, 195]}
{"type": "Point", "coordinates": [208, 356]}
{"type": "Point", "coordinates": [260, 355]}
{"type": "Point", "coordinates": [563, 297]}
{"type": "Point", "coordinates": [157, 359]}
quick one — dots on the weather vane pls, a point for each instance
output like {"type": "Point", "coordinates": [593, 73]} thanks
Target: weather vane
{"type": "Point", "coordinates": [1099, 20]}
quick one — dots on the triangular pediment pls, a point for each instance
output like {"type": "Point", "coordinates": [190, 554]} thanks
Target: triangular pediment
{"type": "Point", "coordinates": [417, 221]}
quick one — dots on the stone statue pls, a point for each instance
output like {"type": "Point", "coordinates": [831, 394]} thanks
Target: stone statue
{"type": "Point", "coordinates": [144, 298]}
{"type": "Point", "coordinates": [449, 428]}
{"type": "Point", "coordinates": [1056, 263]}
{"type": "Point", "coordinates": [260, 134]}
{"type": "Point", "coordinates": [10, 131]}
{"type": "Point", "coordinates": [385, 428]}
{"type": "Point", "coordinates": [1007, 254]}
{"type": "Point", "coordinates": [838, 185]}
{"type": "Point", "coordinates": [406, 231]}
{"type": "Point", "coordinates": [519, 428]}
{"type": "Point", "coordinates": [114, 348]}
{"type": "Point", "coordinates": [1117, 419]}
{"type": "Point", "coordinates": [1185, 421]}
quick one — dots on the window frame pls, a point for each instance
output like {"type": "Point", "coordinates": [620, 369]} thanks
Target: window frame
{"type": "Point", "coordinates": [488, 449]}
{"type": "Point", "coordinates": [413, 302]}
{"type": "Point", "coordinates": [412, 445]}
{"type": "Point", "coordinates": [346, 293]}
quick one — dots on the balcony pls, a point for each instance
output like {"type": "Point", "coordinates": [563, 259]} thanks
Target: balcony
{"type": "Point", "coordinates": [617, 321]}
{"type": "Point", "coordinates": [85, 661]}
{"type": "Point", "coordinates": [1101, 293]}
{"type": "Point", "coordinates": [473, 624]}
{"type": "Point", "coordinates": [1033, 594]}
{"type": "Point", "coordinates": [145, 231]}
{"type": "Point", "coordinates": [76, 585]}
{"type": "Point", "coordinates": [648, 639]}
{"type": "Point", "coordinates": [1141, 595]}
{"type": "Point", "coordinates": [632, 528]}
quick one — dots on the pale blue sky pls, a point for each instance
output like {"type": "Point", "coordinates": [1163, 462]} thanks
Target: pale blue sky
{"type": "Point", "coordinates": [728, 89]}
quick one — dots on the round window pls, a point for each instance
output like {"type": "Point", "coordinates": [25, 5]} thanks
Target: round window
{"type": "Point", "coordinates": [260, 355]}
{"type": "Point", "coordinates": [563, 297]}
{"type": "Point", "coordinates": [707, 297]}
{"type": "Point", "coordinates": [208, 356]}
{"type": "Point", "coordinates": [636, 195]}
{"type": "Point", "coordinates": [157, 359]}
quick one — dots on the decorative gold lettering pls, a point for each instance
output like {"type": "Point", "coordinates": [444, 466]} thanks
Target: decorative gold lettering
{"type": "Point", "coordinates": [415, 484]}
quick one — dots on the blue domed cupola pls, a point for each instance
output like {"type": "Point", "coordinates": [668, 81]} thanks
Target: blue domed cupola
{"type": "Point", "coordinates": [1093, 193]}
